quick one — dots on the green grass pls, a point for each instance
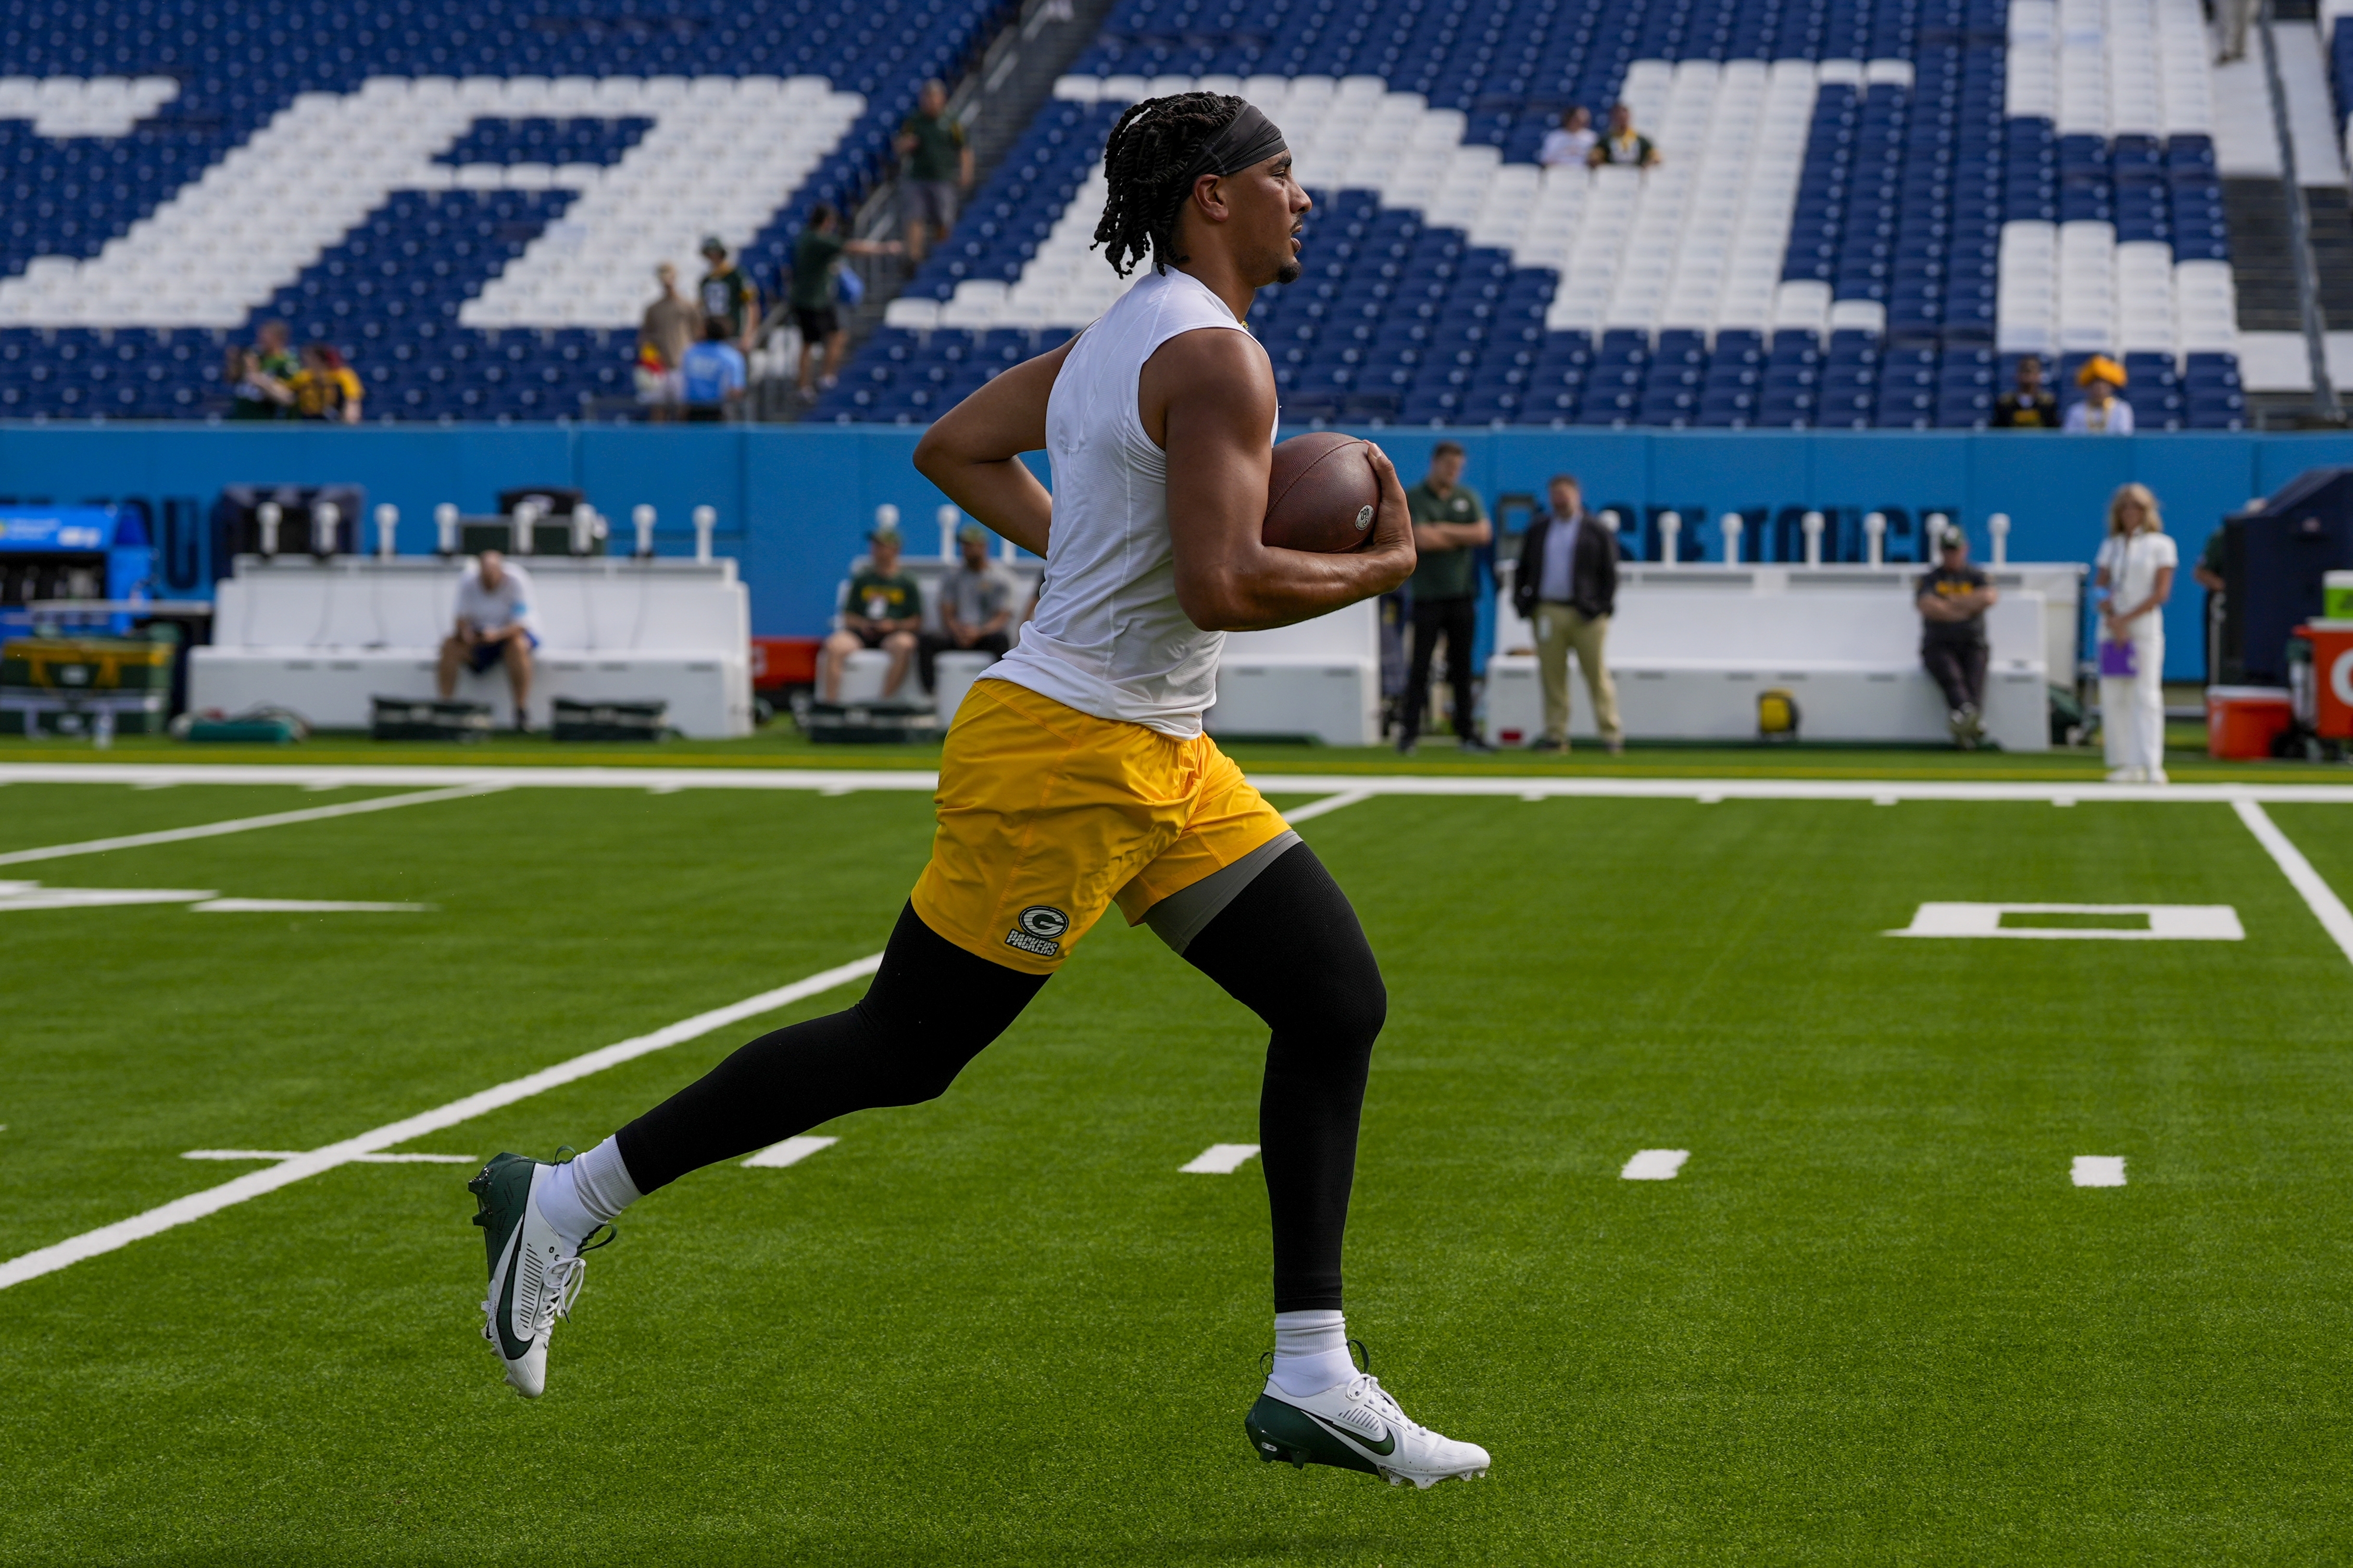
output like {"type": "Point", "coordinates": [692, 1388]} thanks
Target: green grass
{"type": "Point", "coordinates": [1871, 1322]}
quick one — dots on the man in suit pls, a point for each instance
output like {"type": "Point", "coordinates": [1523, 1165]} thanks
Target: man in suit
{"type": "Point", "coordinates": [1567, 586]}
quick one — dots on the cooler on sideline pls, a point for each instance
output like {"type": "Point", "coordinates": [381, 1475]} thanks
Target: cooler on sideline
{"type": "Point", "coordinates": [2332, 677]}
{"type": "Point", "coordinates": [2242, 722]}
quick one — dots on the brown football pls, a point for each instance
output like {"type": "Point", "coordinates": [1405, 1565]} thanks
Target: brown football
{"type": "Point", "coordinates": [1321, 494]}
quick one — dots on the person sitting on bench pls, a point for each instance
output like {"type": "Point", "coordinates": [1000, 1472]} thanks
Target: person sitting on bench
{"type": "Point", "coordinates": [976, 606]}
{"type": "Point", "coordinates": [495, 625]}
{"type": "Point", "coordinates": [884, 610]}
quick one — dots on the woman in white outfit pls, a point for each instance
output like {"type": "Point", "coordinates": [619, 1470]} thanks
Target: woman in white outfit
{"type": "Point", "coordinates": [2135, 566]}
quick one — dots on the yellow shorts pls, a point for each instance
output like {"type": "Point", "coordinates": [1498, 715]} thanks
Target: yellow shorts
{"type": "Point", "coordinates": [1047, 814]}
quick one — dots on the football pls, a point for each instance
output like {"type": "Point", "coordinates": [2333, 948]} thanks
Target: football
{"type": "Point", "coordinates": [1322, 495]}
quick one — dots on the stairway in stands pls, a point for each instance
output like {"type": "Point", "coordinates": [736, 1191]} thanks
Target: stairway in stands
{"type": "Point", "coordinates": [1012, 81]}
{"type": "Point", "coordinates": [2264, 270]}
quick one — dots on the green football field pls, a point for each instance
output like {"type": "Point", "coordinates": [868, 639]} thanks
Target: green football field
{"type": "Point", "coordinates": [1871, 1317]}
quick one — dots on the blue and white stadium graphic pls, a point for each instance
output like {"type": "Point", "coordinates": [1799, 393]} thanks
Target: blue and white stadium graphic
{"type": "Point", "coordinates": [1865, 208]}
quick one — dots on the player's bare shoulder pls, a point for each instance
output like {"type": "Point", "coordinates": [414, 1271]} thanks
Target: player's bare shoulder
{"type": "Point", "coordinates": [1211, 370]}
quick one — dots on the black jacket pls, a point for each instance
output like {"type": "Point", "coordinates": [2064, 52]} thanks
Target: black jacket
{"type": "Point", "coordinates": [1592, 576]}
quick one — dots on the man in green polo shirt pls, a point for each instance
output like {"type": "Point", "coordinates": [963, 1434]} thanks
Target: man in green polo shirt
{"type": "Point", "coordinates": [934, 169]}
{"type": "Point", "coordinates": [1448, 527]}
{"type": "Point", "coordinates": [816, 253]}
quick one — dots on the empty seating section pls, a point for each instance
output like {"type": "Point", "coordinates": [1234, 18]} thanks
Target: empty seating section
{"type": "Point", "coordinates": [1867, 213]}
{"type": "Point", "coordinates": [440, 189]}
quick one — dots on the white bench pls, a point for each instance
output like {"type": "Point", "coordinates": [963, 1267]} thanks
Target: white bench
{"type": "Point", "coordinates": [1320, 679]}
{"type": "Point", "coordinates": [323, 640]}
{"type": "Point", "coordinates": [1692, 647]}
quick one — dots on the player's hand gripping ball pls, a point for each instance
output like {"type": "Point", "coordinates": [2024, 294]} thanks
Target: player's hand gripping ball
{"type": "Point", "coordinates": [1322, 494]}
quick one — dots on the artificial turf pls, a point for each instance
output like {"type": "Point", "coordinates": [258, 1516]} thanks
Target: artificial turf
{"type": "Point", "coordinates": [1870, 1322]}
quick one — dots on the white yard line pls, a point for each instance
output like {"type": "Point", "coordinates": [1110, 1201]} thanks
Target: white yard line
{"type": "Point", "coordinates": [1654, 1164]}
{"type": "Point", "coordinates": [237, 1154]}
{"type": "Point", "coordinates": [791, 1151]}
{"type": "Point", "coordinates": [212, 1200]}
{"type": "Point", "coordinates": [241, 824]}
{"type": "Point", "coordinates": [2325, 906]}
{"type": "Point", "coordinates": [835, 781]}
{"type": "Point", "coordinates": [1315, 808]}
{"type": "Point", "coordinates": [2097, 1171]}
{"type": "Point", "coordinates": [1218, 1159]}
{"type": "Point", "coordinates": [304, 906]}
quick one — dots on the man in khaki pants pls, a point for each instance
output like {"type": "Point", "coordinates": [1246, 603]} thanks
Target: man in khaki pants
{"type": "Point", "coordinates": [1567, 585]}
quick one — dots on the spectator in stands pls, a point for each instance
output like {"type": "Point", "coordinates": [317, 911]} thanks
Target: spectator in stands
{"type": "Point", "coordinates": [2136, 567]}
{"type": "Point", "coordinates": [2234, 18]}
{"type": "Point", "coordinates": [670, 326]}
{"type": "Point", "coordinates": [976, 605]}
{"type": "Point", "coordinates": [727, 295]}
{"type": "Point", "coordinates": [1569, 145]}
{"type": "Point", "coordinates": [325, 388]}
{"type": "Point", "coordinates": [2101, 412]}
{"type": "Point", "coordinates": [2028, 405]}
{"type": "Point", "coordinates": [495, 625]}
{"type": "Point", "coordinates": [934, 169]}
{"type": "Point", "coordinates": [885, 609]}
{"type": "Point", "coordinates": [816, 255]}
{"type": "Point", "coordinates": [1953, 596]}
{"type": "Point", "coordinates": [1624, 145]}
{"type": "Point", "coordinates": [1450, 525]}
{"type": "Point", "coordinates": [712, 378]}
{"type": "Point", "coordinates": [1567, 587]}
{"type": "Point", "coordinates": [257, 376]}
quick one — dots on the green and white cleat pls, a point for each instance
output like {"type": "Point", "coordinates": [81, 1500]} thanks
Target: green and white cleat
{"type": "Point", "coordinates": [1357, 1425]}
{"type": "Point", "coordinates": [535, 1273]}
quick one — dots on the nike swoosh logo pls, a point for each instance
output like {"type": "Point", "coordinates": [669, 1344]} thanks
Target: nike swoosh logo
{"type": "Point", "coordinates": [509, 1346]}
{"type": "Point", "coordinates": [1384, 1448]}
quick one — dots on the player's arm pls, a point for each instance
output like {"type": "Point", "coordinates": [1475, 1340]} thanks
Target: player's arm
{"type": "Point", "coordinates": [1208, 398]}
{"type": "Point", "coordinates": [1451, 535]}
{"type": "Point", "coordinates": [972, 452]}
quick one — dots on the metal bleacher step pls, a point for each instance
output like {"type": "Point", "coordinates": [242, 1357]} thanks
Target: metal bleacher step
{"type": "Point", "coordinates": [2332, 253]}
{"type": "Point", "coordinates": [2262, 268]}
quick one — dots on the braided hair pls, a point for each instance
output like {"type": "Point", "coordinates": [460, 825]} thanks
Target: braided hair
{"type": "Point", "coordinates": [1145, 162]}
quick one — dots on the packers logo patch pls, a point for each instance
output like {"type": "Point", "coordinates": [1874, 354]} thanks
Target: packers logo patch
{"type": "Point", "coordinates": [1044, 922]}
{"type": "Point", "coordinates": [1038, 929]}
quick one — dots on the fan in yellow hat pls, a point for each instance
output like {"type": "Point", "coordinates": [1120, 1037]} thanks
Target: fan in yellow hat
{"type": "Point", "coordinates": [2101, 412]}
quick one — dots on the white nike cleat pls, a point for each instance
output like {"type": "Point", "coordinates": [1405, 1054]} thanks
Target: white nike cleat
{"type": "Point", "coordinates": [1357, 1425]}
{"type": "Point", "coordinates": [535, 1273]}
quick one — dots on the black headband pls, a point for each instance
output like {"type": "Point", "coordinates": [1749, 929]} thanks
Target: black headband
{"type": "Point", "coordinates": [1248, 139]}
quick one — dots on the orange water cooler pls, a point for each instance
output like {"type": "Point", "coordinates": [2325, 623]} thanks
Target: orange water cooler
{"type": "Point", "coordinates": [2332, 677]}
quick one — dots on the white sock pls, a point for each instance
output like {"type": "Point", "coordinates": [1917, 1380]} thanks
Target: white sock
{"type": "Point", "coordinates": [587, 1191]}
{"type": "Point", "coordinates": [1311, 1353]}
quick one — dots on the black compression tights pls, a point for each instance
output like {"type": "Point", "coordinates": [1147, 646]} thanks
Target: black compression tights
{"type": "Point", "coordinates": [1289, 948]}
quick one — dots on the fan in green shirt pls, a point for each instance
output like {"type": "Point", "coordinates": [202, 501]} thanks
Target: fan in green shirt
{"type": "Point", "coordinates": [1447, 571]}
{"type": "Point", "coordinates": [934, 169]}
{"type": "Point", "coordinates": [1450, 528]}
{"type": "Point", "coordinates": [811, 298]}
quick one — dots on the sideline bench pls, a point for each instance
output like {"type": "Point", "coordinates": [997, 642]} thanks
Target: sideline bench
{"type": "Point", "coordinates": [323, 639]}
{"type": "Point", "coordinates": [1692, 647]}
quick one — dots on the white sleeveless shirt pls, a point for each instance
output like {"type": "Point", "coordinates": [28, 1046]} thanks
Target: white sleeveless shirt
{"type": "Point", "coordinates": [1109, 637]}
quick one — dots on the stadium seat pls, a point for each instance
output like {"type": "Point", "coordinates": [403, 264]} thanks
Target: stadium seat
{"type": "Point", "coordinates": [1941, 177]}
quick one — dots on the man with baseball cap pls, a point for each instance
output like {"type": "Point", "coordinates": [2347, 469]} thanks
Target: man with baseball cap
{"type": "Point", "coordinates": [885, 609]}
{"type": "Point", "coordinates": [977, 604]}
{"type": "Point", "coordinates": [1953, 597]}
{"type": "Point", "coordinates": [727, 295]}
